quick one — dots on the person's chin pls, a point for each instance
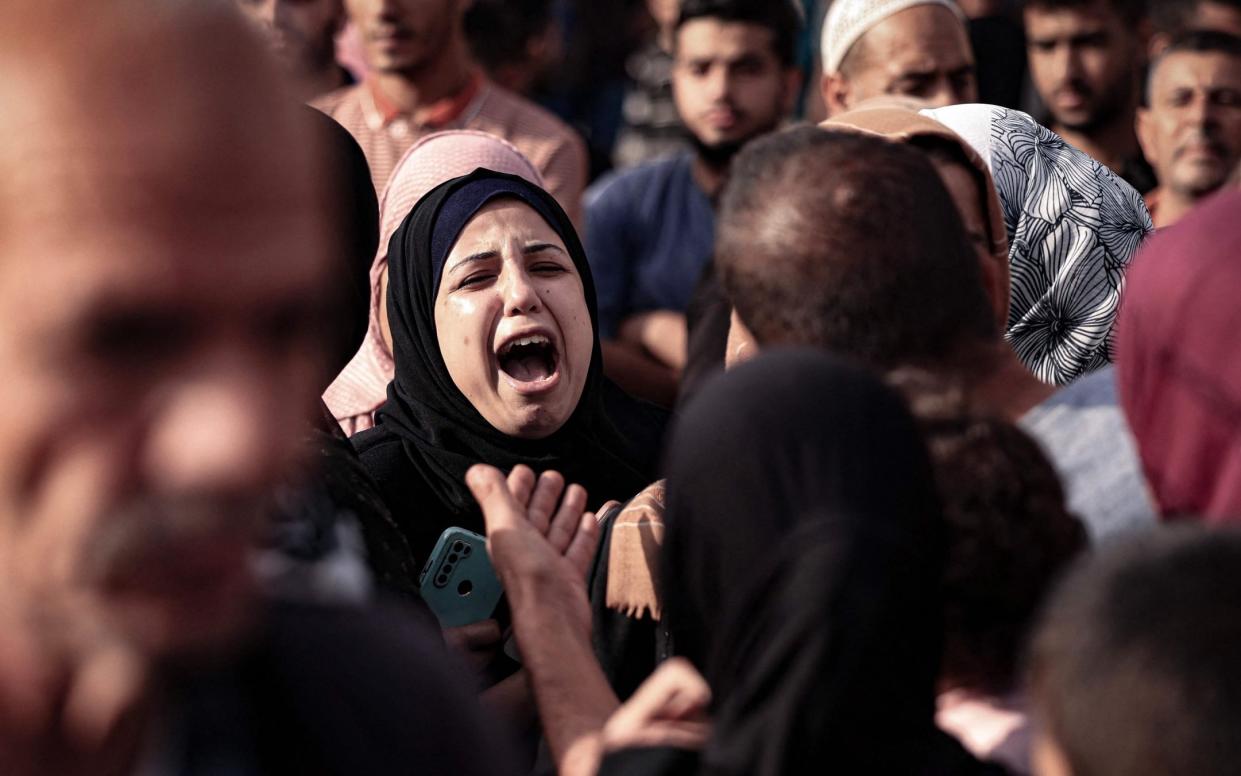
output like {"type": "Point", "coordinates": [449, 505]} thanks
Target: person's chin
{"type": "Point", "coordinates": [187, 621]}
{"type": "Point", "coordinates": [534, 417]}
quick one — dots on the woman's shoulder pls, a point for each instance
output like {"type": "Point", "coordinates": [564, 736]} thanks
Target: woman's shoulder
{"type": "Point", "coordinates": [376, 443]}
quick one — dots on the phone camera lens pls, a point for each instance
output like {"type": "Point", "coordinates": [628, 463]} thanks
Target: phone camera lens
{"type": "Point", "coordinates": [465, 550]}
{"type": "Point", "coordinates": [457, 545]}
{"type": "Point", "coordinates": [465, 588]}
{"type": "Point", "coordinates": [452, 557]}
{"type": "Point", "coordinates": [441, 580]}
{"type": "Point", "coordinates": [448, 567]}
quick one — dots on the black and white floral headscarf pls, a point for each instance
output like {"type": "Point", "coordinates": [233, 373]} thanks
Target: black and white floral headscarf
{"type": "Point", "coordinates": [1073, 225]}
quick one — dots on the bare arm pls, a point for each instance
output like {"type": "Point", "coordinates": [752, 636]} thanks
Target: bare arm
{"type": "Point", "coordinates": [541, 552]}
{"type": "Point", "coordinates": [638, 373]}
{"type": "Point", "coordinates": [663, 334]}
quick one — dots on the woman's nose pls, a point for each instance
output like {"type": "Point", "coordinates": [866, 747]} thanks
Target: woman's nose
{"type": "Point", "coordinates": [520, 294]}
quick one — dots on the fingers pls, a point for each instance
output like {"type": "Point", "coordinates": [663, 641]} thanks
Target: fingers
{"type": "Point", "coordinates": [564, 524]}
{"type": "Point", "coordinates": [490, 489]}
{"type": "Point", "coordinates": [521, 484]}
{"type": "Point", "coordinates": [668, 709]}
{"type": "Point", "coordinates": [582, 547]}
{"type": "Point", "coordinates": [543, 501]}
{"type": "Point", "coordinates": [675, 691]}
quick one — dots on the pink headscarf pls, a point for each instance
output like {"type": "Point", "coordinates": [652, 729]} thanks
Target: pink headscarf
{"type": "Point", "coordinates": [1178, 362]}
{"type": "Point", "coordinates": [362, 386]}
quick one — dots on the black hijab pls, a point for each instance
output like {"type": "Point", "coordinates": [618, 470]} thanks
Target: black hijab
{"type": "Point", "coordinates": [610, 450]}
{"type": "Point", "coordinates": [801, 570]}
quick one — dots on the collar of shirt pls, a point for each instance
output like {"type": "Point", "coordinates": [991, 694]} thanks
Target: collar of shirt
{"type": "Point", "coordinates": [439, 114]}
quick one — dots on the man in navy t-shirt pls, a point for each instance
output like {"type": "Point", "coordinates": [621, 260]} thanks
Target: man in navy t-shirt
{"type": "Point", "coordinates": [649, 230]}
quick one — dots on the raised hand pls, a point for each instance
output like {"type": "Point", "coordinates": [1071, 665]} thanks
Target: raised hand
{"type": "Point", "coordinates": [540, 538]}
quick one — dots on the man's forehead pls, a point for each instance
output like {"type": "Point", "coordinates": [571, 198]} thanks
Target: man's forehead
{"type": "Point", "coordinates": [1194, 68]}
{"type": "Point", "coordinates": [1071, 20]}
{"type": "Point", "coordinates": [922, 32]}
{"type": "Point", "coordinates": [716, 38]}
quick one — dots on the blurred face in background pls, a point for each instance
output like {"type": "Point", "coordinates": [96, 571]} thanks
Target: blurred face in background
{"type": "Point", "coordinates": [1084, 62]}
{"type": "Point", "coordinates": [158, 370]}
{"type": "Point", "coordinates": [729, 84]}
{"type": "Point", "coordinates": [302, 32]}
{"type": "Point", "coordinates": [405, 35]}
{"type": "Point", "coordinates": [1191, 132]}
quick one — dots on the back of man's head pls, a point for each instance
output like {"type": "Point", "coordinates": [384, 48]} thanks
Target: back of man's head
{"type": "Point", "coordinates": [1134, 667]}
{"type": "Point", "coordinates": [781, 17]}
{"type": "Point", "coordinates": [852, 243]}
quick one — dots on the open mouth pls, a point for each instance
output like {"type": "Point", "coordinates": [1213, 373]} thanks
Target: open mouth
{"type": "Point", "coordinates": [529, 361]}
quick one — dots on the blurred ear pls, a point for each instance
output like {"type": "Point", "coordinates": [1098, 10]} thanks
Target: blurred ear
{"type": "Point", "coordinates": [1142, 125]}
{"type": "Point", "coordinates": [792, 89]}
{"type": "Point", "coordinates": [741, 345]}
{"type": "Point", "coordinates": [837, 93]}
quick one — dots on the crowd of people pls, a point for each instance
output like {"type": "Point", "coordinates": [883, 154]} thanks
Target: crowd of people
{"type": "Point", "coordinates": [581, 387]}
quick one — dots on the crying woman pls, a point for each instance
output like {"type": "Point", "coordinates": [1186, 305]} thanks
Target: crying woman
{"type": "Point", "coordinates": [496, 347]}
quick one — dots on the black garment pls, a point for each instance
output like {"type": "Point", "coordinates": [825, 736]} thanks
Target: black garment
{"type": "Point", "coordinates": [707, 318]}
{"type": "Point", "coordinates": [628, 648]}
{"type": "Point", "coordinates": [428, 434]}
{"type": "Point", "coordinates": [802, 559]}
{"type": "Point", "coordinates": [332, 690]}
{"type": "Point", "coordinates": [337, 490]}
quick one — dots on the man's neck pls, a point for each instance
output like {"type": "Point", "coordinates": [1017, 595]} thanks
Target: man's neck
{"type": "Point", "coordinates": [1112, 145]}
{"type": "Point", "coordinates": [709, 176]}
{"type": "Point", "coordinates": [1006, 386]}
{"type": "Point", "coordinates": [413, 92]}
{"type": "Point", "coordinates": [1172, 207]}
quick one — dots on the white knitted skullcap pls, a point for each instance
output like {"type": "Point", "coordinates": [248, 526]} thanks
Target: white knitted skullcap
{"type": "Point", "coordinates": [849, 20]}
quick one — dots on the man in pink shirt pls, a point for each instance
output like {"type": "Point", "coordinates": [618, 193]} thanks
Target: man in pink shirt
{"type": "Point", "coordinates": [422, 80]}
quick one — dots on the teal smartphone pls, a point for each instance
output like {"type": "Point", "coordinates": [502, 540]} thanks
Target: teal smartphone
{"type": "Point", "coordinates": [457, 581]}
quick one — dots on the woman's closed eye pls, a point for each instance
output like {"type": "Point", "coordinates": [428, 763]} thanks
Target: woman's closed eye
{"type": "Point", "coordinates": [548, 268]}
{"type": "Point", "coordinates": [476, 279]}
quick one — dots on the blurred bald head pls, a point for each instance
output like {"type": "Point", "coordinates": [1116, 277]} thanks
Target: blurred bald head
{"type": "Point", "coordinates": [163, 266]}
{"type": "Point", "coordinates": [114, 96]}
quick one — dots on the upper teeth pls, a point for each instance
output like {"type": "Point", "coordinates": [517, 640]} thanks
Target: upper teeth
{"type": "Point", "coordinates": [534, 339]}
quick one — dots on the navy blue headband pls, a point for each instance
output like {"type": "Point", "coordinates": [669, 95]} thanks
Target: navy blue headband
{"type": "Point", "coordinates": [460, 206]}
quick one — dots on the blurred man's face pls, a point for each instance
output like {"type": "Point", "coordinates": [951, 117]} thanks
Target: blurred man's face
{"type": "Point", "coordinates": [159, 355]}
{"type": "Point", "coordinates": [921, 52]}
{"type": "Point", "coordinates": [405, 35]}
{"type": "Point", "coordinates": [302, 32]}
{"type": "Point", "coordinates": [1191, 133]}
{"type": "Point", "coordinates": [728, 83]}
{"type": "Point", "coordinates": [1084, 62]}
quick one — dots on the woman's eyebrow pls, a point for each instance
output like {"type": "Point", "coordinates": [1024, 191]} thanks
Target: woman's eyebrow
{"type": "Point", "coordinates": [536, 247]}
{"type": "Point", "coordinates": [480, 256]}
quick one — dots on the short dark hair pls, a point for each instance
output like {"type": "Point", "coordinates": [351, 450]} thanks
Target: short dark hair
{"type": "Point", "coordinates": [1172, 16]}
{"type": "Point", "coordinates": [779, 16]}
{"type": "Point", "coordinates": [1195, 42]}
{"type": "Point", "coordinates": [1010, 534]}
{"type": "Point", "coordinates": [1131, 11]}
{"type": "Point", "coordinates": [851, 243]}
{"type": "Point", "coordinates": [500, 31]}
{"type": "Point", "coordinates": [1134, 665]}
